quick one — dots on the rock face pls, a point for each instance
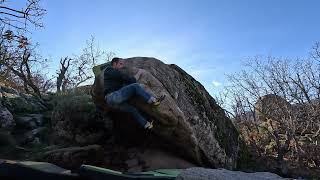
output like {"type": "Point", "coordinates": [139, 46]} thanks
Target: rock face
{"type": "Point", "coordinates": [189, 121]}
{"type": "Point", "coordinates": [223, 174]}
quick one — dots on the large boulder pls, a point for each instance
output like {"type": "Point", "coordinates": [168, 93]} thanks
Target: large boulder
{"type": "Point", "coordinates": [188, 122]}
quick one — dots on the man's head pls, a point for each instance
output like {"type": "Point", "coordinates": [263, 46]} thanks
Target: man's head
{"type": "Point", "coordinates": [117, 63]}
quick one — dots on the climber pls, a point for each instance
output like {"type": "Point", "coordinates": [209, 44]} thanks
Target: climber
{"type": "Point", "coordinates": [119, 87]}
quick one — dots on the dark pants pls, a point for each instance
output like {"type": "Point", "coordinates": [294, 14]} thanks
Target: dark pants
{"type": "Point", "coordinates": [117, 100]}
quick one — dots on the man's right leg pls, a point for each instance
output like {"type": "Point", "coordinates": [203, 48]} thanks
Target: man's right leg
{"type": "Point", "coordinates": [125, 107]}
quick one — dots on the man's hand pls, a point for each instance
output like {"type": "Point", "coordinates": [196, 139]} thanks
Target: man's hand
{"type": "Point", "coordinates": [139, 73]}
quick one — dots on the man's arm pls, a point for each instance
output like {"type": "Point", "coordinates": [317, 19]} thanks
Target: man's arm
{"type": "Point", "coordinates": [139, 73]}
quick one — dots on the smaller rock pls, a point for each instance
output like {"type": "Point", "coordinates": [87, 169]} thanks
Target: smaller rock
{"type": "Point", "coordinates": [87, 138]}
{"type": "Point", "coordinates": [132, 152]}
{"type": "Point", "coordinates": [132, 162]}
{"type": "Point", "coordinates": [38, 118]}
{"type": "Point", "coordinates": [36, 141]}
{"type": "Point", "coordinates": [107, 161]}
{"type": "Point", "coordinates": [199, 173]}
{"type": "Point", "coordinates": [26, 122]}
{"type": "Point", "coordinates": [74, 157]}
{"type": "Point", "coordinates": [30, 136]}
{"type": "Point", "coordinates": [29, 121]}
{"type": "Point", "coordinates": [6, 139]}
{"type": "Point", "coordinates": [135, 169]}
{"type": "Point", "coordinates": [117, 162]}
{"type": "Point", "coordinates": [158, 159]}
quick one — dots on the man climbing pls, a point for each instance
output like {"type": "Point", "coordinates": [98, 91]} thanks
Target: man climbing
{"type": "Point", "coordinates": [119, 88]}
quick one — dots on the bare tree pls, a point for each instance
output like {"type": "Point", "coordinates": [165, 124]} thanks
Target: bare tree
{"type": "Point", "coordinates": [20, 66]}
{"type": "Point", "coordinates": [19, 19]}
{"type": "Point", "coordinates": [18, 57]}
{"type": "Point", "coordinates": [78, 70]}
{"type": "Point", "coordinates": [19, 61]}
{"type": "Point", "coordinates": [276, 105]}
{"type": "Point", "coordinates": [109, 56]}
{"type": "Point", "coordinates": [62, 74]}
{"type": "Point", "coordinates": [45, 84]}
{"type": "Point", "coordinates": [90, 56]}
{"type": "Point", "coordinates": [316, 51]}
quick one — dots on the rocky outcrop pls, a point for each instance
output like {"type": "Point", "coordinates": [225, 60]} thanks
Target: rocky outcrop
{"type": "Point", "coordinates": [223, 174]}
{"type": "Point", "coordinates": [6, 118]}
{"type": "Point", "coordinates": [21, 117]}
{"type": "Point", "coordinates": [74, 120]}
{"type": "Point", "coordinates": [272, 107]}
{"type": "Point", "coordinates": [20, 102]}
{"type": "Point", "coordinates": [19, 109]}
{"type": "Point", "coordinates": [188, 121]}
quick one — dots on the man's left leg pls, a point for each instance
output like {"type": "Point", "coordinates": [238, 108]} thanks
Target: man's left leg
{"type": "Point", "coordinates": [129, 91]}
{"type": "Point", "coordinates": [125, 107]}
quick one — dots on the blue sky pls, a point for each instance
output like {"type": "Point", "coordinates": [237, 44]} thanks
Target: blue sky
{"type": "Point", "coordinates": [207, 38]}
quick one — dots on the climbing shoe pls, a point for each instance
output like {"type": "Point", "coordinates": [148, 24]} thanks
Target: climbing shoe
{"type": "Point", "coordinates": [149, 125]}
{"type": "Point", "coordinates": [159, 100]}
